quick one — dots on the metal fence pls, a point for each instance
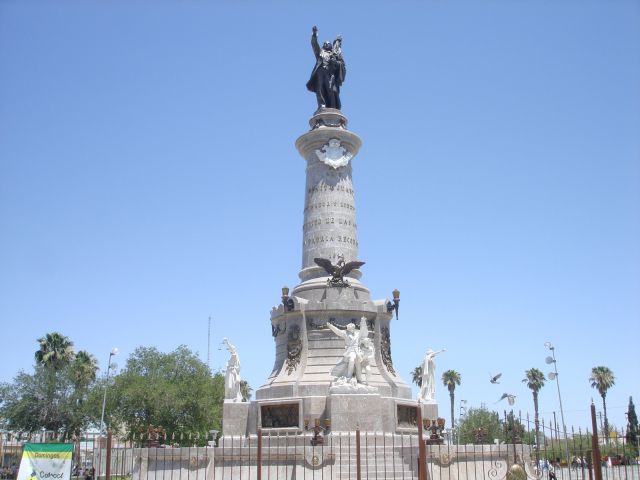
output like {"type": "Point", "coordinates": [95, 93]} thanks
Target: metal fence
{"type": "Point", "coordinates": [351, 455]}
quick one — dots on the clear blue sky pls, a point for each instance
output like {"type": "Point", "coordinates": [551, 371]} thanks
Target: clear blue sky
{"type": "Point", "coordinates": [149, 180]}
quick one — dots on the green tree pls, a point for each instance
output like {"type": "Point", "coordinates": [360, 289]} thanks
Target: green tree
{"type": "Point", "coordinates": [632, 427]}
{"type": "Point", "coordinates": [55, 352]}
{"type": "Point", "coordinates": [514, 431]}
{"type": "Point", "coordinates": [53, 396]}
{"type": "Point", "coordinates": [480, 426]}
{"type": "Point", "coordinates": [22, 402]}
{"type": "Point", "coordinates": [82, 375]}
{"type": "Point", "coordinates": [450, 379]}
{"type": "Point", "coordinates": [83, 369]}
{"type": "Point", "coordinates": [580, 444]}
{"type": "Point", "coordinates": [416, 376]}
{"type": "Point", "coordinates": [30, 404]}
{"type": "Point", "coordinates": [173, 390]}
{"type": "Point", "coordinates": [602, 379]}
{"type": "Point", "coordinates": [54, 356]}
{"type": "Point", "coordinates": [534, 379]}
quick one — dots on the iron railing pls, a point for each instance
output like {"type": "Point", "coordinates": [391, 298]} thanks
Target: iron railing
{"type": "Point", "coordinates": [274, 455]}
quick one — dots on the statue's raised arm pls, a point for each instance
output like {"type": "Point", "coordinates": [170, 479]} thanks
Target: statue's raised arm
{"type": "Point", "coordinates": [432, 354]}
{"type": "Point", "coordinates": [314, 42]}
{"type": "Point", "coordinates": [336, 330]}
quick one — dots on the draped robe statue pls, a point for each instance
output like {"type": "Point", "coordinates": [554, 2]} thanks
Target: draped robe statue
{"type": "Point", "coordinates": [428, 388]}
{"type": "Point", "coordinates": [232, 375]}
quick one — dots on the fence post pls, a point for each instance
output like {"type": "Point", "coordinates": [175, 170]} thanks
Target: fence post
{"type": "Point", "coordinates": [107, 470]}
{"type": "Point", "coordinates": [259, 457]}
{"type": "Point", "coordinates": [589, 462]}
{"type": "Point", "coordinates": [358, 469]}
{"type": "Point", "coordinates": [597, 460]}
{"type": "Point", "coordinates": [422, 453]}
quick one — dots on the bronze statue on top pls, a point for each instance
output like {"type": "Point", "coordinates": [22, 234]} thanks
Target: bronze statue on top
{"type": "Point", "coordinates": [337, 271]}
{"type": "Point", "coordinates": [329, 72]}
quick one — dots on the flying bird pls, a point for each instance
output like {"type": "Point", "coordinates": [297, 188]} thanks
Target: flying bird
{"type": "Point", "coordinates": [510, 398]}
{"type": "Point", "coordinates": [494, 379]}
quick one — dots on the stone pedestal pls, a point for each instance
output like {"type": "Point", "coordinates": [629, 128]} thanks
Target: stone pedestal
{"type": "Point", "coordinates": [349, 411]}
{"type": "Point", "coordinates": [430, 409]}
{"type": "Point", "coordinates": [235, 416]}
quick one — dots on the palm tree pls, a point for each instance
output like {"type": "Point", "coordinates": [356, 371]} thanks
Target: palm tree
{"type": "Point", "coordinates": [245, 390]}
{"type": "Point", "coordinates": [534, 379]}
{"type": "Point", "coordinates": [83, 369]}
{"type": "Point", "coordinates": [416, 376]}
{"type": "Point", "coordinates": [55, 352]}
{"type": "Point", "coordinates": [450, 379]}
{"type": "Point", "coordinates": [602, 379]}
{"type": "Point", "coordinates": [53, 356]}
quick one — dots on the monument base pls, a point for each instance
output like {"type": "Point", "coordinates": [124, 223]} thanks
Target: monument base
{"type": "Point", "coordinates": [349, 412]}
{"type": "Point", "coordinates": [383, 454]}
{"type": "Point", "coordinates": [235, 418]}
{"type": "Point", "coordinates": [429, 409]}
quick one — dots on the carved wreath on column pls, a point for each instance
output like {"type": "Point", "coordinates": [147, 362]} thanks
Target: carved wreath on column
{"type": "Point", "coordinates": [385, 349]}
{"type": "Point", "coordinates": [294, 349]}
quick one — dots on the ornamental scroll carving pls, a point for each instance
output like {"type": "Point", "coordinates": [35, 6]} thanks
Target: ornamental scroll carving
{"type": "Point", "coordinates": [385, 349]}
{"type": "Point", "coordinates": [294, 349]}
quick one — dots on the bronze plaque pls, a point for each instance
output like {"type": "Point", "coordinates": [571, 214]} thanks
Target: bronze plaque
{"type": "Point", "coordinates": [407, 416]}
{"type": "Point", "coordinates": [282, 415]}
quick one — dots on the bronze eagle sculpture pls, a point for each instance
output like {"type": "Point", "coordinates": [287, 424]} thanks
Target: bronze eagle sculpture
{"type": "Point", "coordinates": [337, 271]}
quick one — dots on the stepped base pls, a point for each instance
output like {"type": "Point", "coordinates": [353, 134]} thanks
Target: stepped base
{"type": "Point", "coordinates": [389, 456]}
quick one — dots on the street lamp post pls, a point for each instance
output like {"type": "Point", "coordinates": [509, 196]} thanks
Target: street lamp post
{"type": "Point", "coordinates": [554, 376]}
{"type": "Point", "coordinates": [114, 351]}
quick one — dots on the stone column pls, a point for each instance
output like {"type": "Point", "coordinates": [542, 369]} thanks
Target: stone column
{"type": "Point", "coordinates": [329, 227]}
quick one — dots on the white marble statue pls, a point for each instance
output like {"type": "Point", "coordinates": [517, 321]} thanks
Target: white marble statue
{"type": "Point", "coordinates": [366, 358]}
{"type": "Point", "coordinates": [355, 367]}
{"type": "Point", "coordinates": [428, 388]}
{"type": "Point", "coordinates": [232, 374]}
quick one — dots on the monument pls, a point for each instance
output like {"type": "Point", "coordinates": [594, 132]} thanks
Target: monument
{"type": "Point", "coordinates": [333, 405]}
{"type": "Point", "coordinates": [333, 365]}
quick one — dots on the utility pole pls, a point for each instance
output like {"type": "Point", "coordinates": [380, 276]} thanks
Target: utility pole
{"type": "Point", "coordinates": [209, 344]}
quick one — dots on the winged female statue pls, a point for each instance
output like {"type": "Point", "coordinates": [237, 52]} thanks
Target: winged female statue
{"type": "Point", "coordinates": [355, 366]}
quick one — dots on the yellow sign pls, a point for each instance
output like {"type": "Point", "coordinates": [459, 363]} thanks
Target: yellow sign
{"type": "Point", "coordinates": [46, 461]}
